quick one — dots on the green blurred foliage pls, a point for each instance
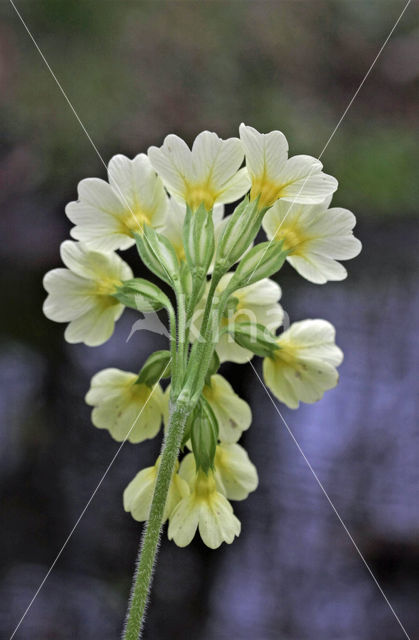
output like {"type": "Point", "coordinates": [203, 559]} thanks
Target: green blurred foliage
{"type": "Point", "coordinates": [135, 71]}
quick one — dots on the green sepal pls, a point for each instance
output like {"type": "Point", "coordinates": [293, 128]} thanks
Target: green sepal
{"type": "Point", "coordinates": [262, 261]}
{"type": "Point", "coordinates": [239, 233]}
{"type": "Point", "coordinates": [213, 368]}
{"type": "Point", "coordinates": [198, 239]}
{"type": "Point", "coordinates": [204, 435]}
{"type": "Point", "coordinates": [142, 295]}
{"type": "Point", "coordinates": [255, 338]}
{"type": "Point", "coordinates": [158, 254]}
{"type": "Point", "coordinates": [156, 367]}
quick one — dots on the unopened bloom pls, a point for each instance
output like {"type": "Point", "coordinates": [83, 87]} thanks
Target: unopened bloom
{"type": "Point", "coordinates": [107, 215]}
{"type": "Point", "coordinates": [304, 366]}
{"type": "Point", "coordinates": [235, 475]}
{"type": "Point", "coordinates": [256, 303]}
{"type": "Point", "coordinates": [274, 175]}
{"type": "Point", "coordinates": [139, 493]}
{"type": "Point", "coordinates": [315, 236]}
{"type": "Point", "coordinates": [206, 174]}
{"type": "Point", "coordinates": [173, 226]}
{"type": "Point", "coordinates": [129, 411]}
{"type": "Point", "coordinates": [206, 509]}
{"type": "Point", "coordinates": [82, 293]}
{"type": "Point", "coordinates": [233, 414]}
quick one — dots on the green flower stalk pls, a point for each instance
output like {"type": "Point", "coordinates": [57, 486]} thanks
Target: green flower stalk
{"type": "Point", "coordinates": [223, 306]}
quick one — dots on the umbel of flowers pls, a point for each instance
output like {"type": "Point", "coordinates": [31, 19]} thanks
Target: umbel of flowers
{"type": "Point", "coordinates": [224, 306]}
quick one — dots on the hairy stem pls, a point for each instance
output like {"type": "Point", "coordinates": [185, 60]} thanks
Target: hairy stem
{"type": "Point", "coordinates": [148, 548]}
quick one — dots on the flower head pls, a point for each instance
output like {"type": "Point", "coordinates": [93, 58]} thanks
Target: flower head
{"type": "Point", "coordinates": [256, 303]}
{"type": "Point", "coordinates": [206, 174]}
{"type": "Point", "coordinates": [235, 475]}
{"type": "Point", "coordinates": [107, 215]}
{"type": "Point", "coordinates": [127, 410]}
{"type": "Point", "coordinates": [82, 293]}
{"type": "Point", "coordinates": [274, 175]}
{"type": "Point", "coordinates": [304, 366]}
{"type": "Point", "coordinates": [233, 414]}
{"type": "Point", "coordinates": [315, 236]}
{"type": "Point", "coordinates": [139, 493]}
{"type": "Point", "coordinates": [206, 509]}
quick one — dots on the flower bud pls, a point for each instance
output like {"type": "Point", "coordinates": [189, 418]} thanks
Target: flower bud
{"type": "Point", "coordinates": [204, 435]}
{"type": "Point", "coordinates": [263, 260]}
{"type": "Point", "coordinates": [158, 254]}
{"type": "Point", "coordinates": [142, 295]}
{"type": "Point", "coordinates": [239, 233]}
{"type": "Point", "coordinates": [256, 338]}
{"type": "Point", "coordinates": [156, 366]}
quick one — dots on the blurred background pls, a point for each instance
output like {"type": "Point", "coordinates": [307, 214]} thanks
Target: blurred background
{"type": "Point", "coordinates": [134, 72]}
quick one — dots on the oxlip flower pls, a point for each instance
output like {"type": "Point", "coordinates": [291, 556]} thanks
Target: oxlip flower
{"type": "Point", "coordinates": [315, 236]}
{"type": "Point", "coordinates": [274, 175]}
{"type": "Point", "coordinates": [107, 214]}
{"type": "Point", "coordinates": [256, 303]}
{"type": "Point", "coordinates": [304, 366]}
{"type": "Point", "coordinates": [82, 293]}
{"type": "Point", "coordinates": [207, 174]}
{"type": "Point", "coordinates": [233, 414]}
{"type": "Point", "coordinates": [139, 493]}
{"type": "Point", "coordinates": [206, 509]}
{"type": "Point", "coordinates": [128, 410]}
{"type": "Point", "coordinates": [235, 475]}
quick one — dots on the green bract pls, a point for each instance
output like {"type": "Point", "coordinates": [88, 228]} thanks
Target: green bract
{"type": "Point", "coordinates": [142, 295]}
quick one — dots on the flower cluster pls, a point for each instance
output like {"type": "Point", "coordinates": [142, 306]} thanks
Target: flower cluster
{"type": "Point", "coordinates": [170, 204]}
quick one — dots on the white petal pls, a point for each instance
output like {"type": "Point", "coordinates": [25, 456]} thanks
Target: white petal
{"type": "Point", "coordinates": [100, 195]}
{"type": "Point", "coordinates": [265, 152]}
{"type": "Point", "coordinates": [280, 387]}
{"type": "Point", "coordinates": [184, 522]}
{"type": "Point", "coordinates": [317, 269]}
{"type": "Point", "coordinates": [304, 181]}
{"type": "Point", "coordinates": [173, 163]}
{"type": "Point", "coordinates": [69, 295]}
{"type": "Point", "coordinates": [264, 292]}
{"type": "Point", "coordinates": [228, 350]}
{"type": "Point", "coordinates": [217, 523]}
{"type": "Point", "coordinates": [216, 159]}
{"type": "Point", "coordinates": [235, 188]}
{"type": "Point", "coordinates": [94, 327]}
{"type": "Point", "coordinates": [234, 471]}
{"type": "Point", "coordinates": [233, 414]}
{"type": "Point", "coordinates": [107, 384]}
{"type": "Point", "coordinates": [138, 494]}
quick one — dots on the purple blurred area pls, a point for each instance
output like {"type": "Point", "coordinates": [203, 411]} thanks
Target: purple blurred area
{"type": "Point", "coordinates": [135, 72]}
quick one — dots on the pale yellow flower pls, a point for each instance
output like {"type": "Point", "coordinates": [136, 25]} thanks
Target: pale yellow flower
{"type": "Point", "coordinates": [139, 493]}
{"type": "Point", "coordinates": [207, 174]}
{"type": "Point", "coordinates": [234, 474]}
{"type": "Point", "coordinates": [107, 215]}
{"type": "Point", "coordinates": [127, 410]}
{"type": "Point", "coordinates": [315, 236]}
{"type": "Point", "coordinates": [304, 366]}
{"type": "Point", "coordinates": [233, 414]}
{"type": "Point", "coordinates": [274, 175]}
{"type": "Point", "coordinates": [82, 294]}
{"type": "Point", "coordinates": [206, 509]}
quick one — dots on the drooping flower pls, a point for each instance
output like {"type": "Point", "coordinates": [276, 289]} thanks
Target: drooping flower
{"type": "Point", "coordinates": [207, 174]}
{"type": "Point", "coordinates": [233, 414]}
{"type": "Point", "coordinates": [129, 411]}
{"type": "Point", "coordinates": [304, 366]}
{"type": "Point", "coordinates": [206, 509]}
{"type": "Point", "coordinates": [107, 215]}
{"type": "Point", "coordinates": [235, 475]}
{"type": "Point", "coordinates": [256, 303]}
{"type": "Point", "coordinates": [315, 236]}
{"type": "Point", "coordinates": [139, 493]}
{"type": "Point", "coordinates": [274, 175]}
{"type": "Point", "coordinates": [82, 293]}
{"type": "Point", "coordinates": [173, 226]}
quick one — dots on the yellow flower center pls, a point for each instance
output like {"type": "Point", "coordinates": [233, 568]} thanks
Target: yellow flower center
{"type": "Point", "coordinates": [287, 354]}
{"type": "Point", "coordinates": [107, 286]}
{"type": "Point", "coordinates": [293, 237]}
{"type": "Point", "coordinates": [200, 194]}
{"type": "Point", "coordinates": [205, 487]}
{"type": "Point", "coordinates": [133, 220]}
